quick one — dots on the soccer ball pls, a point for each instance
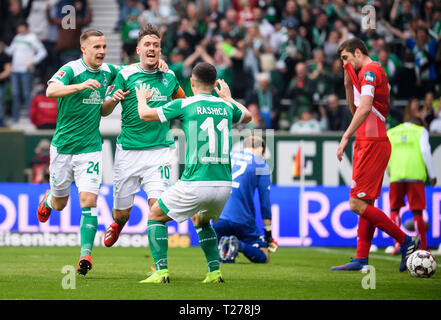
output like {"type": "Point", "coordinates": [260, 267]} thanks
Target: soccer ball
{"type": "Point", "coordinates": [421, 264]}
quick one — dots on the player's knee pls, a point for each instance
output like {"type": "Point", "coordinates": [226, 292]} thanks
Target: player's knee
{"type": "Point", "coordinates": [88, 199]}
{"type": "Point", "coordinates": [120, 215]}
{"type": "Point", "coordinates": [356, 205]}
{"type": "Point", "coordinates": [151, 202]}
{"type": "Point", "coordinates": [59, 204]}
{"type": "Point", "coordinates": [198, 220]}
{"type": "Point", "coordinates": [157, 214]}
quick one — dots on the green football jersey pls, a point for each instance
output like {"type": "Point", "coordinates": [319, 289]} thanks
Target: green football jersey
{"type": "Point", "coordinates": [137, 134]}
{"type": "Point", "coordinates": [206, 121]}
{"type": "Point", "coordinates": [79, 114]}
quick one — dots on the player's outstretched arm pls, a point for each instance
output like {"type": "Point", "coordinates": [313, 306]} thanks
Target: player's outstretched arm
{"type": "Point", "coordinates": [225, 93]}
{"type": "Point", "coordinates": [144, 94]}
{"type": "Point", "coordinates": [58, 90]}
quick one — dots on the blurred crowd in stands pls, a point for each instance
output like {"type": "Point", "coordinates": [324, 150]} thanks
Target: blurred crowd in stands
{"type": "Point", "coordinates": [279, 57]}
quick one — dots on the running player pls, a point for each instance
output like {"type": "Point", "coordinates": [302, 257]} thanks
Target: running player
{"type": "Point", "coordinates": [75, 153]}
{"type": "Point", "coordinates": [368, 100]}
{"type": "Point", "coordinates": [205, 184]}
{"type": "Point", "coordinates": [237, 228]}
{"type": "Point", "coordinates": [143, 153]}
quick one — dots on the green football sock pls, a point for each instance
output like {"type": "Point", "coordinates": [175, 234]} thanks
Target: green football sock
{"type": "Point", "coordinates": [121, 222]}
{"type": "Point", "coordinates": [88, 226]}
{"type": "Point", "coordinates": [208, 242]}
{"type": "Point", "coordinates": [158, 242]}
{"type": "Point", "coordinates": [47, 201]}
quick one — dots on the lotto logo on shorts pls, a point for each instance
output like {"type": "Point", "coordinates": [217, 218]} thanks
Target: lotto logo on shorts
{"type": "Point", "coordinates": [361, 195]}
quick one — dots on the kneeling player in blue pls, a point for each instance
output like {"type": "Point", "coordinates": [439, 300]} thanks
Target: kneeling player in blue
{"type": "Point", "coordinates": [237, 228]}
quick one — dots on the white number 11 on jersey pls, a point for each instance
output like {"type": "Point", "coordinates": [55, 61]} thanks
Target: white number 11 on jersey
{"type": "Point", "coordinates": [208, 125]}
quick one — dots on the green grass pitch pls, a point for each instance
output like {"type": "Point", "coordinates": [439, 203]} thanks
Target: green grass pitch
{"type": "Point", "coordinates": [292, 274]}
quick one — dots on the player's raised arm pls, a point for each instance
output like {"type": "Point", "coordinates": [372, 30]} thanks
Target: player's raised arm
{"type": "Point", "coordinates": [225, 93]}
{"type": "Point", "coordinates": [59, 90]}
{"type": "Point", "coordinates": [144, 94]}
{"type": "Point", "coordinates": [349, 89]}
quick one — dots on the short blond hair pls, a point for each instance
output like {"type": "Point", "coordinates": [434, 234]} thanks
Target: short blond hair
{"type": "Point", "coordinates": [90, 33]}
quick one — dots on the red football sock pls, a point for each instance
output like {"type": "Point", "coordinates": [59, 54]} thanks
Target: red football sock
{"type": "Point", "coordinates": [365, 233]}
{"type": "Point", "coordinates": [379, 219]}
{"type": "Point", "coordinates": [395, 217]}
{"type": "Point", "coordinates": [420, 226]}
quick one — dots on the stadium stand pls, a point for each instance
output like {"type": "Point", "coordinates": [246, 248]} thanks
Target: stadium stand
{"type": "Point", "coordinates": [248, 38]}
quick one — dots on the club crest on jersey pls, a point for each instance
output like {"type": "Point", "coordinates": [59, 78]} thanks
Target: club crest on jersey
{"type": "Point", "coordinates": [369, 76]}
{"type": "Point", "coordinates": [165, 82]}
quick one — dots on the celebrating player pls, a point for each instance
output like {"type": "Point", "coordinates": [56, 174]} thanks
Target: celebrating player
{"type": "Point", "coordinates": [205, 184]}
{"type": "Point", "coordinates": [237, 227]}
{"type": "Point", "coordinates": [368, 100]}
{"type": "Point", "coordinates": [75, 153]}
{"type": "Point", "coordinates": [143, 154]}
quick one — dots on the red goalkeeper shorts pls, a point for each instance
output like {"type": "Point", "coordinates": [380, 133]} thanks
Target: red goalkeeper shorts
{"type": "Point", "coordinates": [369, 163]}
{"type": "Point", "coordinates": [415, 192]}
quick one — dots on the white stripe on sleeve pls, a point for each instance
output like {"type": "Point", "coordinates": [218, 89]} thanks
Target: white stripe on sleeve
{"type": "Point", "coordinates": [161, 114]}
{"type": "Point", "coordinates": [368, 90]}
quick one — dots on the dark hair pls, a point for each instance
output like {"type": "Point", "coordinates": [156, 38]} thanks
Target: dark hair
{"type": "Point", "coordinates": [205, 73]}
{"type": "Point", "coordinates": [22, 22]}
{"type": "Point", "coordinates": [149, 29]}
{"type": "Point", "coordinates": [90, 33]}
{"type": "Point", "coordinates": [254, 142]}
{"type": "Point", "coordinates": [351, 45]}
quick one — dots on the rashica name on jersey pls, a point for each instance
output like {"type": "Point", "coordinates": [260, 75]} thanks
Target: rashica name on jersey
{"type": "Point", "coordinates": [211, 110]}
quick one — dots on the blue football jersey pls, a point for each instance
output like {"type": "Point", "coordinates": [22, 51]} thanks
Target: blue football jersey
{"type": "Point", "coordinates": [249, 173]}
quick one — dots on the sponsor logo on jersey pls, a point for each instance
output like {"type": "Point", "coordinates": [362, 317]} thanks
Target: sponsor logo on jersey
{"type": "Point", "coordinates": [94, 98]}
{"type": "Point", "coordinates": [157, 96]}
{"type": "Point", "coordinates": [369, 76]}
